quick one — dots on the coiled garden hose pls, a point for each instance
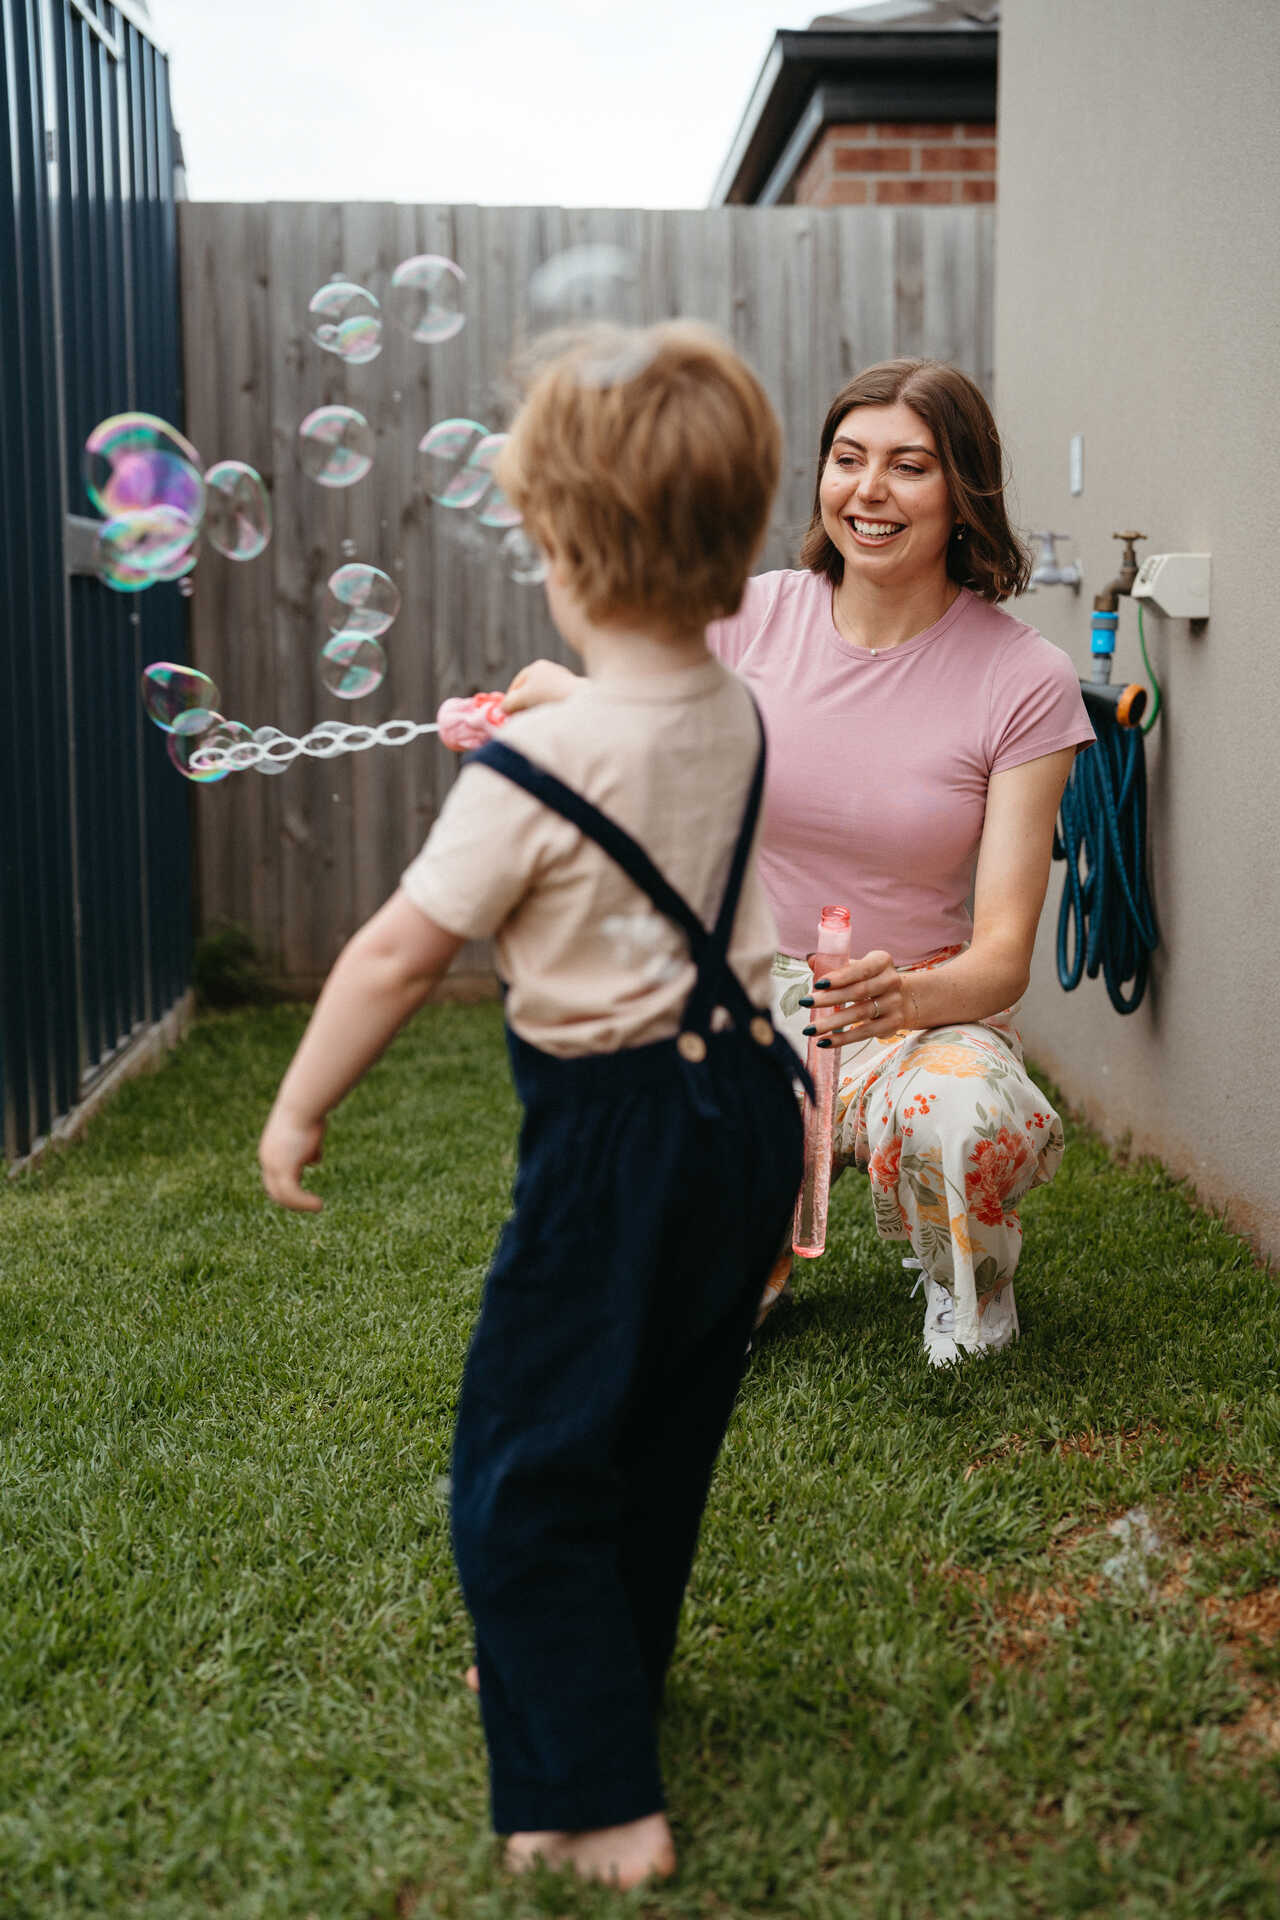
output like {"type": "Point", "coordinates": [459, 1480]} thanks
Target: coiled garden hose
{"type": "Point", "coordinates": [1102, 838]}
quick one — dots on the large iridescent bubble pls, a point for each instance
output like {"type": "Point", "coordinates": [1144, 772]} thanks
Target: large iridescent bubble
{"type": "Point", "coordinates": [426, 298]}
{"type": "Point", "coordinates": [454, 471]}
{"type": "Point", "coordinates": [170, 690]}
{"type": "Point", "coordinates": [336, 446]}
{"type": "Point", "coordinates": [361, 599]}
{"type": "Point", "coordinates": [346, 320]}
{"type": "Point", "coordinates": [136, 461]}
{"type": "Point", "coordinates": [352, 665]}
{"type": "Point", "coordinates": [237, 514]}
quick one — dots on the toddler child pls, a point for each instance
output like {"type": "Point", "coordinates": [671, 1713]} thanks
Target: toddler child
{"type": "Point", "coordinates": [606, 841]}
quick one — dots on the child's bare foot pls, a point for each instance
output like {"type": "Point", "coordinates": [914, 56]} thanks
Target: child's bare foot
{"type": "Point", "coordinates": [473, 1679]}
{"type": "Point", "coordinates": [623, 1856]}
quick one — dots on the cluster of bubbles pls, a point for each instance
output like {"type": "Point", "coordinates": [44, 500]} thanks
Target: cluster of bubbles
{"type": "Point", "coordinates": [360, 604]}
{"type": "Point", "coordinates": [184, 704]}
{"type": "Point", "coordinates": [424, 299]}
{"type": "Point", "coordinates": [157, 504]}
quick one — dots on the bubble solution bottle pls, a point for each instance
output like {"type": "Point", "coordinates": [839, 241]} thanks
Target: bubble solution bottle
{"type": "Point", "coordinates": [809, 1233]}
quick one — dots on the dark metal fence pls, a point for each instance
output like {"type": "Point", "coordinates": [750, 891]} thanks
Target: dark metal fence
{"type": "Point", "coordinates": [95, 907]}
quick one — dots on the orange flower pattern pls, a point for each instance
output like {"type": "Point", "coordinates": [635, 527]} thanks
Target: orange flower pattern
{"type": "Point", "coordinates": [952, 1132]}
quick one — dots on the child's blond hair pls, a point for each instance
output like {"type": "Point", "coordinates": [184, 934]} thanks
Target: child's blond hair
{"type": "Point", "coordinates": [647, 459]}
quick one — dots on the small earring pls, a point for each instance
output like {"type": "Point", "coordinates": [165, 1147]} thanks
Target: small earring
{"type": "Point", "coordinates": [959, 531]}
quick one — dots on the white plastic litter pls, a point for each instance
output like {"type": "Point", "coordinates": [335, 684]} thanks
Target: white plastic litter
{"type": "Point", "coordinates": [1140, 1544]}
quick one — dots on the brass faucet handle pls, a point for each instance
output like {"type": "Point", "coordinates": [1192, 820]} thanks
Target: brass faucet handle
{"type": "Point", "coordinates": [1129, 537]}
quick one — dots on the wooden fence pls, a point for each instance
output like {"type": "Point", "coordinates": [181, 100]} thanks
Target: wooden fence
{"type": "Point", "coordinates": [808, 295]}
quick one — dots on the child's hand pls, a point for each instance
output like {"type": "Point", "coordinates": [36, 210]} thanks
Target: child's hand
{"type": "Point", "coordinates": [286, 1147]}
{"type": "Point", "coordinates": [540, 681]}
{"type": "Point", "coordinates": [468, 723]}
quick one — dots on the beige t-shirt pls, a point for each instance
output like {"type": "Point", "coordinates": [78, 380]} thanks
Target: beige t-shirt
{"type": "Point", "coordinates": [591, 964]}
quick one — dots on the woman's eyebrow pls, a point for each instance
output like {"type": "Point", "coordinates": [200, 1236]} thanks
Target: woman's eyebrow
{"type": "Point", "coordinates": [844, 439]}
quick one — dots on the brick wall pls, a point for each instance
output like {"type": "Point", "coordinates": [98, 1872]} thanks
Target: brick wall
{"type": "Point", "coordinates": [893, 163]}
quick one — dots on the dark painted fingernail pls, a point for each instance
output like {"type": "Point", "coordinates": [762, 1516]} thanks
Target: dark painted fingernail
{"type": "Point", "coordinates": [821, 986]}
{"type": "Point", "coordinates": [805, 1000]}
{"type": "Point", "coordinates": [824, 1043]}
{"type": "Point", "coordinates": [808, 1032]}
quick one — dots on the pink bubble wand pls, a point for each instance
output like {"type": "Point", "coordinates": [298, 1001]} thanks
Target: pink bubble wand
{"type": "Point", "coordinates": [809, 1230]}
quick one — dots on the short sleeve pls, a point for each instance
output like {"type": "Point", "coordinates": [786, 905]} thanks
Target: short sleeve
{"type": "Point", "coordinates": [481, 856]}
{"type": "Point", "coordinates": [1036, 703]}
{"type": "Point", "coordinates": [729, 639]}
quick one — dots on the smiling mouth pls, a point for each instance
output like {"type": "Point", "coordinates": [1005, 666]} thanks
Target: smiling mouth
{"type": "Point", "coordinates": [877, 531]}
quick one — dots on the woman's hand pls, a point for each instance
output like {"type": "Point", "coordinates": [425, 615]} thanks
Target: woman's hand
{"type": "Point", "coordinates": [856, 1000]}
{"type": "Point", "coordinates": [540, 681]}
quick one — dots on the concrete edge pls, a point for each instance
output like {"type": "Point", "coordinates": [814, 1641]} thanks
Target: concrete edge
{"type": "Point", "coordinates": [142, 1054]}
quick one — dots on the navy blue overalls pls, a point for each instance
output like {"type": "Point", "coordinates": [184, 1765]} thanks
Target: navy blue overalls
{"type": "Point", "coordinates": [654, 1187]}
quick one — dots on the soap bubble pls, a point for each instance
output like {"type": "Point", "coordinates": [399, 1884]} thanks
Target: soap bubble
{"type": "Point", "coordinates": [136, 460]}
{"type": "Point", "coordinates": [336, 446]}
{"type": "Point", "coordinates": [426, 298]}
{"type": "Point", "coordinates": [263, 736]}
{"type": "Point", "coordinates": [351, 665]}
{"type": "Point", "coordinates": [237, 511]}
{"type": "Point", "coordinates": [361, 599]}
{"type": "Point", "coordinates": [186, 586]}
{"type": "Point", "coordinates": [135, 547]}
{"type": "Point", "coordinates": [525, 561]}
{"type": "Point", "coordinates": [583, 283]}
{"type": "Point", "coordinates": [447, 457]}
{"type": "Point", "coordinates": [170, 690]}
{"type": "Point", "coordinates": [494, 509]}
{"type": "Point", "coordinates": [346, 320]}
{"type": "Point", "coordinates": [181, 567]}
{"type": "Point", "coordinates": [197, 731]}
{"type": "Point", "coordinates": [348, 549]}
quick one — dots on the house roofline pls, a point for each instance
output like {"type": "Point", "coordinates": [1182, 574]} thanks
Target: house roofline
{"type": "Point", "coordinates": [810, 79]}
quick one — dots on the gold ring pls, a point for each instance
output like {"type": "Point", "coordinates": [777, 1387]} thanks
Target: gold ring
{"type": "Point", "coordinates": [875, 1009]}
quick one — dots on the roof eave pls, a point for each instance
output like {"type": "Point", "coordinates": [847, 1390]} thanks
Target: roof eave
{"type": "Point", "coordinates": [808, 79]}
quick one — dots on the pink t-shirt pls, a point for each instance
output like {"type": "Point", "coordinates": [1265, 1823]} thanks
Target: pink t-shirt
{"type": "Point", "coordinates": [879, 762]}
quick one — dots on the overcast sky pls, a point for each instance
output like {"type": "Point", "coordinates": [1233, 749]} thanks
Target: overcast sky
{"type": "Point", "coordinates": [563, 103]}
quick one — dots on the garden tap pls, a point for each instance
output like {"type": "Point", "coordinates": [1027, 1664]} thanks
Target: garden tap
{"type": "Point", "coordinates": [1047, 572]}
{"type": "Point", "coordinates": [1108, 600]}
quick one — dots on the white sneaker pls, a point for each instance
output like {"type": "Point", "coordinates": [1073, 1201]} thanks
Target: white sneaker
{"type": "Point", "coordinates": [998, 1322]}
{"type": "Point", "coordinates": [940, 1343]}
{"type": "Point", "coordinates": [997, 1325]}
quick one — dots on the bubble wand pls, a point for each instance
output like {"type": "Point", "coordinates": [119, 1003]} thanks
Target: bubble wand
{"type": "Point", "coordinates": [809, 1232]}
{"type": "Point", "coordinates": [220, 747]}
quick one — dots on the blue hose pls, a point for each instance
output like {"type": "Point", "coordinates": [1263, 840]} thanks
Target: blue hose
{"type": "Point", "coordinates": [1103, 822]}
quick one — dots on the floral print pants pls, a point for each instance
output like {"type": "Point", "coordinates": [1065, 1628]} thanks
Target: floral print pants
{"type": "Point", "coordinates": [952, 1133]}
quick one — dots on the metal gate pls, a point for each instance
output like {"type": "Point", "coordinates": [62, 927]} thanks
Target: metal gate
{"type": "Point", "coordinates": [95, 899]}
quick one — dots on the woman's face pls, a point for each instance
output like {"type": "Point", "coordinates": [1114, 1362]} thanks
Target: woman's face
{"type": "Point", "coordinates": [884, 500]}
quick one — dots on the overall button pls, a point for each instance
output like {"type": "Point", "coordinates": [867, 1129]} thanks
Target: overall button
{"type": "Point", "coordinates": [691, 1047]}
{"type": "Point", "coordinates": [761, 1031]}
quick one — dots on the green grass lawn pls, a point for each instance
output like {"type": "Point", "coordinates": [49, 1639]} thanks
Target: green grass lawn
{"type": "Point", "coordinates": [907, 1683]}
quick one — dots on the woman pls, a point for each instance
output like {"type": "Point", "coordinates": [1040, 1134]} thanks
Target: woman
{"type": "Point", "coordinates": [919, 743]}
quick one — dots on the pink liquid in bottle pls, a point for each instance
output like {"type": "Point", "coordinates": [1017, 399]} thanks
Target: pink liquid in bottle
{"type": "Point", "coordinates": [809, 1233]}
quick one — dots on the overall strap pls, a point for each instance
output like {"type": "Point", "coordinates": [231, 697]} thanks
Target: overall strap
{"type": "Point", "coordinates": [716, 984]}
{"type": "Point", "coordinates": [597, 826]}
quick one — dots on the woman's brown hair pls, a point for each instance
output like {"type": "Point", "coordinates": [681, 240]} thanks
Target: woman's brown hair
{"type": "Point", "coordinates": [983, 554]}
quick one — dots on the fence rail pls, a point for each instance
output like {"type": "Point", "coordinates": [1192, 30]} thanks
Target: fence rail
{"type": "Point", "coordinates": [807, 295]}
